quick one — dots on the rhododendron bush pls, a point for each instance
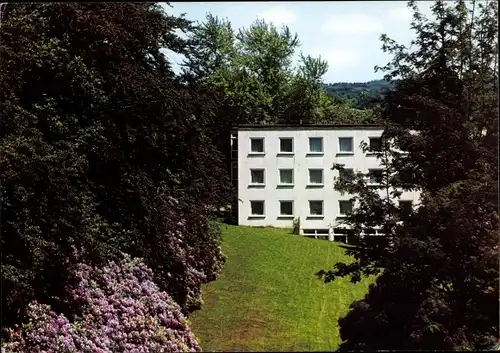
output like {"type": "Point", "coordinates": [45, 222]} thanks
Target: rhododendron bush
{"type": "Point", "coordinates": [122, 310]}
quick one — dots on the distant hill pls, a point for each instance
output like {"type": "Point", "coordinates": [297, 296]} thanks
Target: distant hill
{"type": "Point", "coordinates": [360, 95]}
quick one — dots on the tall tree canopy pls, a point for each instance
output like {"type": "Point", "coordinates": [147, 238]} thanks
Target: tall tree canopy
{"type": "Point", "coordinates": [255, 68]}
{"type": "Point", "coordinates": [102, 151]}
{"type": "Point", "coordinates": [439, 263]}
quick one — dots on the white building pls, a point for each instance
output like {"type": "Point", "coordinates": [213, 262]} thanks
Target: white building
{"type": "Point", "coordinates": [283, 172]}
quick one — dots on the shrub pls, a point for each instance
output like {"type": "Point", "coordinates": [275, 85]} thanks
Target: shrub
{"type": "Point", "coordinates": [46, 212]}
{"type": "Point", "coordinates": [122, 310]}
{"type": "Point", "coordinates": [296, 226]}
{"type": "Point", "coordinates": [92, 152]}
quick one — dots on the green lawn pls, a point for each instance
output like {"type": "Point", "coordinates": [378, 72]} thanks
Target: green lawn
{"type": "Point", "coordinates": [267, 297]}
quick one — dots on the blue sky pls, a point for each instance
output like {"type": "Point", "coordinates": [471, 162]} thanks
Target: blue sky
{"type": "Point", "coordinates": [345, 33]}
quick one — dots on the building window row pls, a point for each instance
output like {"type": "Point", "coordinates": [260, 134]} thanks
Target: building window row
{"type": "Point", "coordinates": [286, 208]}
{"type": "Point", "coordinates": [316, 146]}
{"type": "Point", "coordinates": [315, 176]}
{"type": "Point", "coordinates": [257, 208]}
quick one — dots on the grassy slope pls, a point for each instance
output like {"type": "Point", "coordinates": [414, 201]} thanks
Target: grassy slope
{"type": "Point", "coordinates": [267, 297]}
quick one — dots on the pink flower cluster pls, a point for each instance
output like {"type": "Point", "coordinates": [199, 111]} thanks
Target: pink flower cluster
{"type": "Point", "coordinates": [122, 311]}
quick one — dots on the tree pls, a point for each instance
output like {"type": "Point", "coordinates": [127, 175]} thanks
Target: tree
{"type": "Point", "coordinates": [439, 263]}
{"type": "Point", "coordinates": [103, 151]}
{"type": "Point", "coordinates": [211, 48]}
{"type": "Point", "coordinates": [254, 69]}
{"type": "Point", "coordinates": [302, 100]}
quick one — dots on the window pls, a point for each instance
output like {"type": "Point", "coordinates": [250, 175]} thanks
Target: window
{"type": "Point", "coordinates": [234, 146]}
{"type": "Point", "coordinates": [234, 174]}
{"type": "Point", "coordinates": [405, 207]}
{"type": "Point", "coordinates": [257, 208]}
{"type": "Point", "coordinates": [234, 170]}
{"type": "Point", "coordinates": [343, 231]}
{"type": "Point", "coordinates": [257, 145]}
{"type": "Point", "coordinates": [403, 177]}
{"type": "Point", "coordinates": [315, 144]}
{"type": "Point", "coordinates": [369, 231]}
{"type": "Point", "coordinates": [286, 145]}
{"type": "Point", "coordinates": [345, 207]}
{"type": "Point", "coordinates": [286, 176]}
{"type": "Point", "coordinates": [316, 232]}
{"type": "Point", "coordinates": [257, 176]}
{"type": "Point", "coordinates": [346, 145]}
{"type": "Point", "coordinates": [346, 175]}
{"type": "Point", "coordinates": [375, 176]}
{"type": "Point", "coordinates": [286, 208]}
{"type": "Point", "coordinates": [315, 176]}
{"type": "Point", "coordinates": [316, 208]}
{"type": "Point", "coordinates": [375, 144]}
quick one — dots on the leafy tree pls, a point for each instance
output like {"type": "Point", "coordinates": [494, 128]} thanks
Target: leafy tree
{"type": "Point", "coordinates": [254, 69]}
{"type": "Point", "coordinates": [344, 113]}
{"type": "Point", "coordinates": [211, 47]}
{"type": "Point", "coordinates": [302, 100]}
{"type": "Point", "coordinates": [103, 151]}
{"type": "Point", "coordinates": [439, 283]}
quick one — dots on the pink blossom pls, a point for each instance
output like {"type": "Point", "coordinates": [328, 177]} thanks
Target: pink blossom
{"type": "Point", "coordinates": [123, 311]}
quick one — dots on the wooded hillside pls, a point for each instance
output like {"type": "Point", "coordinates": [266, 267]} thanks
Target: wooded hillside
{"type": "Point", "coordinates": [359, 95]}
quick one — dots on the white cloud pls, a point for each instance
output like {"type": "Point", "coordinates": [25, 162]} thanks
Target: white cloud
{"type": "Point", "coordinates": [278, 15]}
{"type": "Point", "coordinates": [339, 59]}
{"type": "Point", "coordinates": [352, 24]}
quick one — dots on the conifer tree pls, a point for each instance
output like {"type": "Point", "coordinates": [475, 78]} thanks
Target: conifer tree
{"type": "Point", "coordinates": [438, 264]}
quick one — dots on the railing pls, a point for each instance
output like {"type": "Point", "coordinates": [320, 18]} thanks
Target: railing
{"type": "Point", "coordinates": [315, 233]}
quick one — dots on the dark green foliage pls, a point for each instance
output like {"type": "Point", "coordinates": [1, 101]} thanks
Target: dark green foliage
{"type": "Point", "coordinates": [38, 235]}
{"type": "Point", "coordinates": [103, 151]}
{"type": "Point", "coordinates": [426, 297]}
{"type": "Point", "coordinates": [439, 283]}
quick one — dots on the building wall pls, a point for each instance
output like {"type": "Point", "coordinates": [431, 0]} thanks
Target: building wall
{"type": "Point", "coordinates": [300, 161]}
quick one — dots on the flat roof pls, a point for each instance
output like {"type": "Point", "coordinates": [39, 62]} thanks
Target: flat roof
{"type": "Point", "coordinates": [307, 126]}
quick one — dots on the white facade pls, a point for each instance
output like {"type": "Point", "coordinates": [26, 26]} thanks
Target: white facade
{"type": "Point", "coordinates": [259, 178]}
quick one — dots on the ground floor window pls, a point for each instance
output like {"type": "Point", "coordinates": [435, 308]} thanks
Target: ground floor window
{"type": "Point", "coordinates": [257, 208]}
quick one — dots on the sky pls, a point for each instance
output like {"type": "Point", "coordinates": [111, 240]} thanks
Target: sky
{"type": "Point", "coordinates": [344, 33]}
